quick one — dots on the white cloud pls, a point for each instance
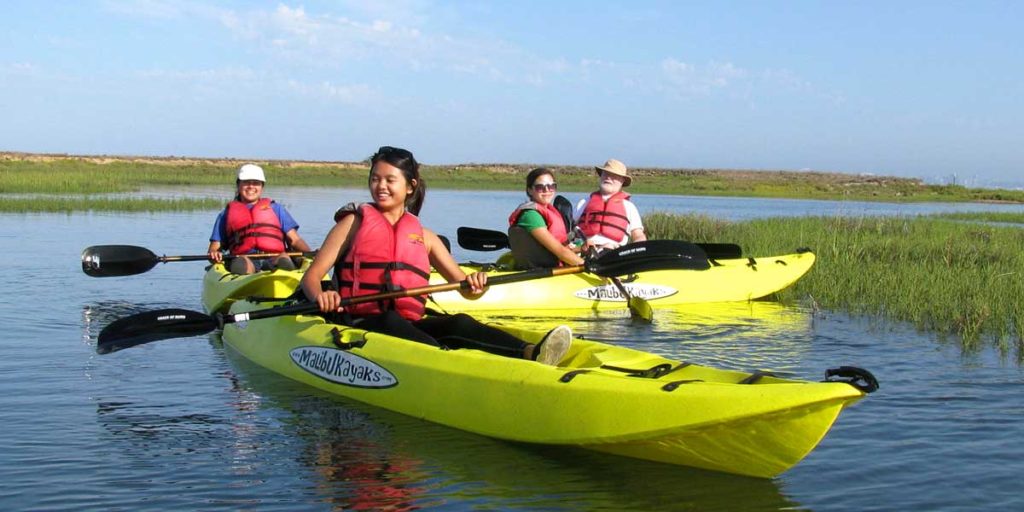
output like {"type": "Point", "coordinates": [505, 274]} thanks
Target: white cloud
{"type": "Point", "coordinates": [159, 9]}
{"type": "Point", "coordinates": [21, 68]}
{"type": "Point", "coordinates": [242, 81]}
{"type": "Point", "coordinates": [366, 33]}
{"type": "Point", "coordinates": [355, 94]}
{"type": "Point", "coordinates": [690, 80]}
{"type": "Point", "coordinates": [227, 74]}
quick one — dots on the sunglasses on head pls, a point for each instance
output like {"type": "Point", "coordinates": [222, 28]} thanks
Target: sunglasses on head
{"type": "Point", "coordinates": [541, 187]}
{"type": "Point", "coordinates": [389, 150]}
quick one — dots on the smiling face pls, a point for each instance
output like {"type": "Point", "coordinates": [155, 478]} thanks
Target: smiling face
{"type": "Point", "coordinates": [249, 191]}
{"type": "Point", "coordinates": [610, 183]}
{"type": "Point", "coordinates": [389, 187]}
{"type": "Point", "coordinates": [543, 189]}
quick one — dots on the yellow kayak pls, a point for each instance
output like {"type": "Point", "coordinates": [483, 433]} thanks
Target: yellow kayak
{"type": "Point", "coordinates": [600, 397]}
{"type": "Point", "coordinates": [222, 288]}
{"type": "Point", "coordinates": [726, 281]}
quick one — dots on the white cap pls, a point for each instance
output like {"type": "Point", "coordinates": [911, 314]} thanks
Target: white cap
{"type": "Point", "coordinates": [251, 172]}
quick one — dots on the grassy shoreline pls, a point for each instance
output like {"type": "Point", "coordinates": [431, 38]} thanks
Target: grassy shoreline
{"type": "Point", "coordinates": [939, 274]}
{"type": "Point", "coordinates": [954, 273]}
{"type": "Point", "coordinates": [82, 175]}
{"type": "Point", "coordinates": [66, 204]}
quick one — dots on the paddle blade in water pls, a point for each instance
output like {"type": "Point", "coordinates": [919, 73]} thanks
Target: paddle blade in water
{"type": "Point", "coordinates": [640, 309]}
{"type": "Point", "coordinates": [649, 255]}
{"type": "Point", "coordinates": [117, 260]}
{"type": "Point", "coordinates": [153, 326]}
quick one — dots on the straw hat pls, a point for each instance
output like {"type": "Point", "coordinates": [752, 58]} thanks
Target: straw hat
{"type": "Point", "coordinates": [615, 167]}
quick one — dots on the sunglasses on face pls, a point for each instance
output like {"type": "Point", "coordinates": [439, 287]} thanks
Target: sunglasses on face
{"type": "Point", "coordinates": [541, 187]}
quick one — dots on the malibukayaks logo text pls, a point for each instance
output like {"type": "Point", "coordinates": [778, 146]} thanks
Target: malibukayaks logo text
{"type": "Point", "coordinates": [610, 293]}
{"type": "Point", "coordinates": [342, 367]}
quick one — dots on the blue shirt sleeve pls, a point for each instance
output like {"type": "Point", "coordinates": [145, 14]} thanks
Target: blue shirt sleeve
{"type": "Point", "coordinates": [218, 234]}
{"type": "Point", "coordinates": [287, 222]}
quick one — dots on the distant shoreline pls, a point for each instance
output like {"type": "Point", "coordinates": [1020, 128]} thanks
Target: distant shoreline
{"type": "Point", "coordinates": [54, 173]}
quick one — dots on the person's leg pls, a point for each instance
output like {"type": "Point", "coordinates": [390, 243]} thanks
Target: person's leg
{"type": "Point", "coordinates": [241, 265]}
{"type": "Point", "coordinates": [554, 346]}
{"type": "Point", "coordinates": [284, 262]}
{"type": "Point", "coordinates": [392, 324]}
{"type": "Point", "coordinates": [463, 331]}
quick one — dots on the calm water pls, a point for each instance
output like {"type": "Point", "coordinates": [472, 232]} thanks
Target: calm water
{"type": "Point", "coordinates": [186, 424]}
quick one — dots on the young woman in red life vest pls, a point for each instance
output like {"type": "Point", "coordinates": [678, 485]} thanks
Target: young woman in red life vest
{"type": "Point", "coordinates": [544, 223]}
{"type": "Point", "coordinates": [608, 218]}
{"type": "Point", "coordinates": [382, 246]}
{"type": "Point", "coordinates": [251, 224]}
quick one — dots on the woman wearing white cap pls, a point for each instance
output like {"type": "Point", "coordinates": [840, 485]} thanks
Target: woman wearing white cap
{"type": "Point", "coordinates": [608, 218]}
{"type": "Point", "coordinates": [251, 224]}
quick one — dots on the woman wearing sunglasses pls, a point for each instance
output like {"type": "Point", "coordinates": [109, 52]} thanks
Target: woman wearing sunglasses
{"type": "Point", "coordinates": [538, 234]}
{"type": "Point", "coordinates": [381, 246]}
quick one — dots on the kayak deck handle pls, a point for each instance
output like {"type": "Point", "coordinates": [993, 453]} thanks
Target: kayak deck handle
{"type": "Point", "coordinates": [854, 376]}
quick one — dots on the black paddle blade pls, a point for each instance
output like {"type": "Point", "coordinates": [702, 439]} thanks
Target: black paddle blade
{"type": "Point", "coordinates": [153, 326]}
{"type": "Point", "coordinates": [117, 260]}
{"type": "Point", "coordinates": [446, 242]}
{"type": "Point", "coordinates": [475, 239]}
{"type": "Point", "coordinates": [649, 255]}
{"type": "Point", "coordinates": [564, 208]}
{"type": "Point", "coordinates": [721, 251]}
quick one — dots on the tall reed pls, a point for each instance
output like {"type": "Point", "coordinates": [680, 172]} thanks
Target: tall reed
{"type": "Point", "coordinates": [943, 275]}
{"type": "Point", "coordinates": [1007, 217]}
{"type": "Point", "coordinates": [87, 203]}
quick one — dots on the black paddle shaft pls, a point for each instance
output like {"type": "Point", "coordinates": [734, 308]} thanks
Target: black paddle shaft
{"type": "Point", "coordinates": [129, 260]}
{"type": "Point", "coordinates": [176, 323]}
{"type": "Point", "coordinates": [476, 239]}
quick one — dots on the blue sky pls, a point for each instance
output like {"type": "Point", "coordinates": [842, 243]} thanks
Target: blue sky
{"type": "Point", "coordinates": [930, 89]}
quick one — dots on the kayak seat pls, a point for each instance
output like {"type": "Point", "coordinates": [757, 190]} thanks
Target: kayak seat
{"type": "Point", "coordinates": [527, 252]}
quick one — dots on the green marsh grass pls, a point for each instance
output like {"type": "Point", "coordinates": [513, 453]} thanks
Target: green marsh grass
{"type": "Point", "coordinates": [86, 203]}
{"type": "Point", "coordinates": [941, 275]}
{"type": "Point", "coordinates": [94, 175]}
{"type": "Point", "coordinates": [72, 176]}
{"type": "Point", "coordinates": [1005, 217]}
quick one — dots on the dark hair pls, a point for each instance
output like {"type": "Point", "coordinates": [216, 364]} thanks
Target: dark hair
{"type": "Point", "coordinates": [405, 162]}
{"type": "Point", "coordinates": [533, 175]}
{"type": "Point", "coordinates": [238, 197]}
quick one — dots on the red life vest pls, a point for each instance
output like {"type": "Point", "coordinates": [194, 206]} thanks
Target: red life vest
{"type": "Point", "coordinates": [382, 257]}
{"type": "Point", "coordinates": [552, 218]}
{"type": "Point", "coordinates": [606, 218]}
{"type": "Point", "coordinates": [256, 228]}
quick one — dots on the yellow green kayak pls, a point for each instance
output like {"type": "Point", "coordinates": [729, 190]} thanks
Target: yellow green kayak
{"type": "Point", "coordinates": [726, 281]}
{"type": "Point", "coordinates": [221, 288]}
{"type": "Point", "coordinates": [600, 397]}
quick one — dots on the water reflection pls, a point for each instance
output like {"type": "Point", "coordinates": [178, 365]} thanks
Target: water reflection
{"type": "Point", "coordinates": [160, 427]}
{"type": "Point", "coordinates": [362, 457]}
{"type": "Point", "coordinates": [97, 315]}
